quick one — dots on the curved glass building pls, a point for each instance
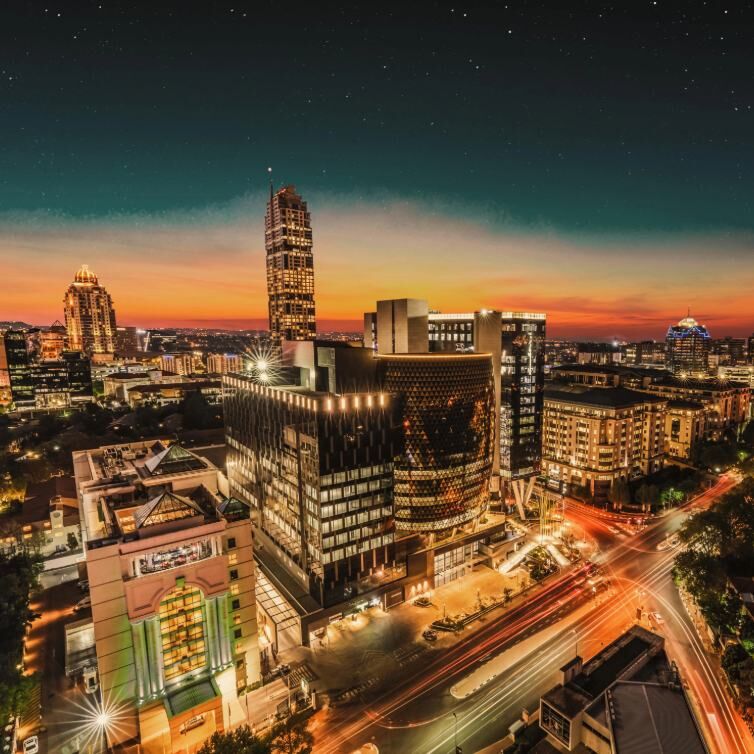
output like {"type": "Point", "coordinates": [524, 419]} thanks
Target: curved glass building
{"type": "Point", "coordinates": [442, 478]}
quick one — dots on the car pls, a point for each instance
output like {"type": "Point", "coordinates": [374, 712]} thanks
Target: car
{"type": "Point", "coordinates": [422, 602]}
{"type": "Point", "coordinates": [31, 745]}
{"type": "Point", "coordinates": [280, 670]}
{"type": "Point", "coordinates": [82, 604]}
{"type": "Point", "coordinates": [430, 635]}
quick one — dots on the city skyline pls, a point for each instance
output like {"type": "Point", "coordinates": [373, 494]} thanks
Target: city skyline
{"type": "Point", "coordinates": [588, 163]}
{"type": "Point", "coordinates": [226, 246]}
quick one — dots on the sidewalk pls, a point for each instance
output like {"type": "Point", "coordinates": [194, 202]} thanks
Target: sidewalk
{"type": "Point", "coordinates": [358, 653]}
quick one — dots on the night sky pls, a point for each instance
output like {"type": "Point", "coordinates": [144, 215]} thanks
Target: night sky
{"type": "Point", "coordinates": [591, 160]}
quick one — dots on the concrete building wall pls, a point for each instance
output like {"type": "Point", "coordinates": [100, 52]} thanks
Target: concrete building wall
{"type": "Point", "coordinates": [402, 326]}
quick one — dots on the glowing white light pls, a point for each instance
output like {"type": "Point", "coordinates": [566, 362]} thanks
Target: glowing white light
{"type": "Point", "coordinates": [262, 365]}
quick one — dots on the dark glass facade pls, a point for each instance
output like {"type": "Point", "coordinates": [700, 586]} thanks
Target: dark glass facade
{"type": "Point", "coordinates": [19, 367]}
{"type": "Point", "coordinates": [442, 478]}
{"type": "Point", "coordinates": [522, 396]}
{"type": "Point", "coordinates": [317, 470]}
{"type": "Point", "coordinates": [45, 384]}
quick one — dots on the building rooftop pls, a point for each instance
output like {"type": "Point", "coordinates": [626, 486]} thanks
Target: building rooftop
{"type": "Point", "coordinates": [610, 664]}
{"type": "Point", "coordinates": [652, 719]}
{"type": "Point", "coordinates": [136, 461]}
{"type": "Point", "coordinates": [40, 496]}
{"type": "Point", "coordinates": [617, 369]}
{"type": "Point", "coordinates": [610, 397]}
{"type": "Point", "coordinates": [686, 405]}
{"type": "Point", "coordinates": [189, 385]}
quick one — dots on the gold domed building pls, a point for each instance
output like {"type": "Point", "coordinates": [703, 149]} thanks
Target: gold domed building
{"type": "Point", "coordinates": [89, 315]}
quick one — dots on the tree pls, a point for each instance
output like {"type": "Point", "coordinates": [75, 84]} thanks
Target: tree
{"type": "Point", "coordinates": [238, 741]}
{"type": "Point", "coordinates": [619, 494]}
{"type": "Point", "coordinates": [292, 737]}
{"type": "Point", "coordinates": [197, 413]}
{"type": "Point", "coordinates": [18, 578]}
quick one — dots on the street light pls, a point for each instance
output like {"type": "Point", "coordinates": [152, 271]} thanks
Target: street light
{"type": "Point", "coordinates": [458, 749]}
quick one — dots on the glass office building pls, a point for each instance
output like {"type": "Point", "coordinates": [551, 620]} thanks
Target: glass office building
{"type": "Point", "coordinates": [442, 478]}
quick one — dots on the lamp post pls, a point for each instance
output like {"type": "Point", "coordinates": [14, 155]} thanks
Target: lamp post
{"type": "Point", "coordinates": [457, 748]}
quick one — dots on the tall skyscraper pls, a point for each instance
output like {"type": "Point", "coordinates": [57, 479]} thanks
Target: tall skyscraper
{"type": "Point", "coordinates": [89, 315]}
{"type": "Point", "coordinates": [290, 266]}
{"type": "Point", "coordinates": [687, 347]}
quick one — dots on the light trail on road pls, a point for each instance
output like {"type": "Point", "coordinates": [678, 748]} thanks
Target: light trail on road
{"type": "Point", "coordinates": [485, 709]}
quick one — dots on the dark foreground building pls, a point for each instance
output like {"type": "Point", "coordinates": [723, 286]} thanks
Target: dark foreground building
{"type": "Point", "coordinates": [628, 699]}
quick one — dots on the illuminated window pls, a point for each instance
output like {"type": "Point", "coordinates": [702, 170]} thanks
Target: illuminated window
{"type": "Point", "coordinates": [182, 629]}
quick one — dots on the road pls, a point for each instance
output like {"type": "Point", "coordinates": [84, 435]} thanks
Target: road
{"type": "Point", "coordinates": [418, 714]}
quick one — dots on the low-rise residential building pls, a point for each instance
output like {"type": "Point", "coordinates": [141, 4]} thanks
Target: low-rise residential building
{"type": "Point", "coordinates": [224, 363]}
{"type": "Point", "coordinates": [170, 565]}
{"type": "Point", "coordinates": [178, 363]}
{"type": "Point", "coordinates": [48, 519]}
{"type": "Point", "coordinates": [628, 698]}
{"type": "Point", "coordinates": [727, 404]}
{"type": "Point", "coordinates": [594, 436]}
{"type": "Point", "coordinates": [726, 400]}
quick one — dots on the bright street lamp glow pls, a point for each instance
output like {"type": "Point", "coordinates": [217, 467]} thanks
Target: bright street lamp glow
{"type": "Point", "coordinates": [262, 365]}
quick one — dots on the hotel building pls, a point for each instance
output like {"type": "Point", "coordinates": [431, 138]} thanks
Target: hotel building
{"type": "Point", "coordinates": [170, 566]}
{"type": "Point", "coordinates": [290, 266]}
{"type": "Point", "coordinates": [594, 436]}
{"type": "Point", "coordinates": [89, 315]}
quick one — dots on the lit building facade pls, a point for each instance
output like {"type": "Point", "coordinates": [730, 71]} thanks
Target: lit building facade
{"type": "Point", "coordinates": [178, 363]}
{"type": "Point", "coordinates": [290, 266]}
{"type": "Point", "coordinates": [594, 436]}
{"type": "Point", "coordinates": [89, 315]}
{"type": "Point", "coordinates": [727, 404]}
{"type": "Point", "coordinates": [224, 363]}
{"type": "Point", "coordinates": [685, 428]}
{"type": "Point", "coordinates": [52, 342]}
{"type": "Point", "coordinates": [170, 565]}
{"type": "Point", "coordinates": [729, 351]}
{"type": "Point", "coordinates": [317, 470]}
{"type": "Point", "coordinates": [442, 477]}
{"type": "Point", "coordinates": [48, 384]}
{"type": "Point", "coordinates": [687, 349]}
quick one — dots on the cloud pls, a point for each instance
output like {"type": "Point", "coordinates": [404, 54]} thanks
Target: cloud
{"type": "Point", "coordinates": [208, 265]}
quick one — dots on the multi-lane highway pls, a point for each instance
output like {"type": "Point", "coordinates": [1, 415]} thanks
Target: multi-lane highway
{"type": "Point", "coordinates": [419, 714]}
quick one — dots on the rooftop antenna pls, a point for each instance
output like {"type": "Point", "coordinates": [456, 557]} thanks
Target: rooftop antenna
{"type": "Point", "coordinates": [269, 172]}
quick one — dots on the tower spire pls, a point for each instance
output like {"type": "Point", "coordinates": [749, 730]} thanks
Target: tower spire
{"type": "Point", "coordinates": [269, 171]}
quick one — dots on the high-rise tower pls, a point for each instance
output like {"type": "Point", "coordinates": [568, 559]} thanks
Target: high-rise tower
{"type": "Point", "coordinates": [687, 347]}
{"type": "Point", "coordinates": [290, 266]}
{"type": "Point", "coordinates": [89, 315]}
